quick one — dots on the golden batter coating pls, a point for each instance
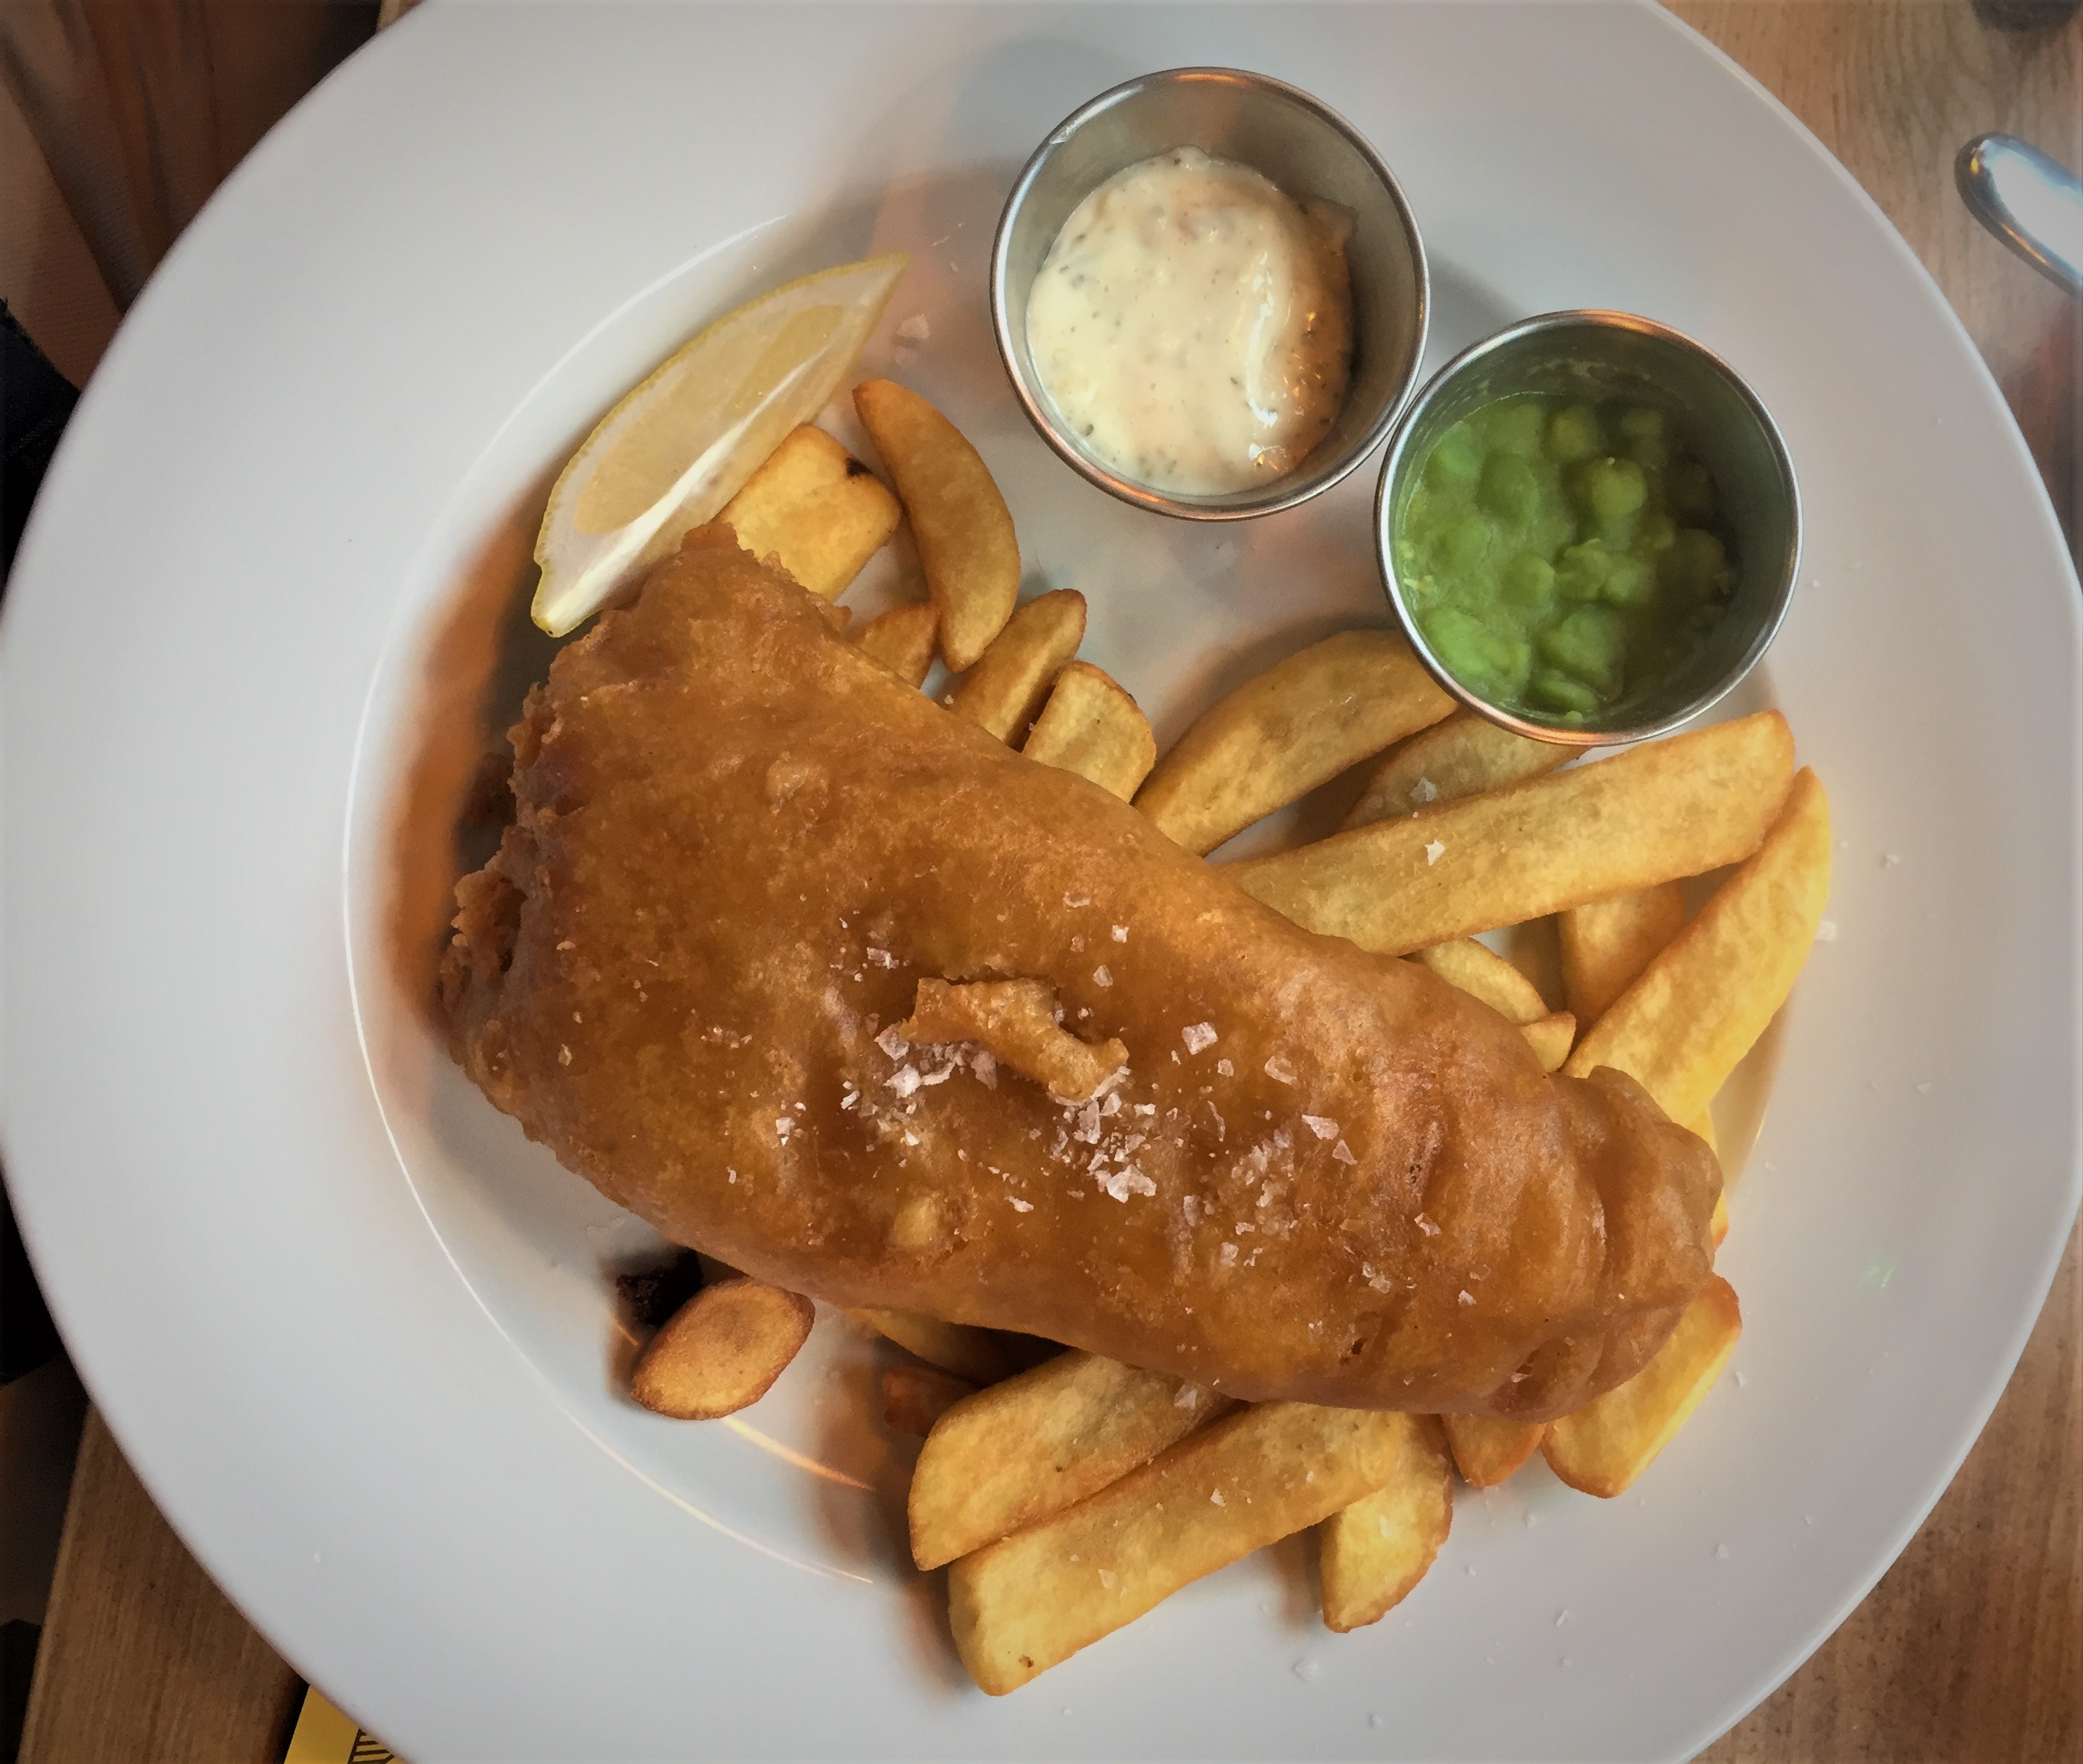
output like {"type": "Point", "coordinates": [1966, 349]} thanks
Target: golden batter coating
{"type": "Point", "coordinates": [740, 846]}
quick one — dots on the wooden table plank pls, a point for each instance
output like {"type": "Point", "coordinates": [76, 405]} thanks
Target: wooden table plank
{"type": "Point", "coordinates": [143, 1658]}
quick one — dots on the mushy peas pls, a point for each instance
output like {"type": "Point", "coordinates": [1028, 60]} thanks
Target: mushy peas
{"type": "Point", "coordinates": [1192, 324]}
{"type": "Point", "coordinates": [1561, 556]}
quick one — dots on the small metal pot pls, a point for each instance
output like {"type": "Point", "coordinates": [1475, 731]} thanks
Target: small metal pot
{"type": "Point", "coordinates": [1591, 355]}
{"type": "Point", "coordinates": [1306, 149]}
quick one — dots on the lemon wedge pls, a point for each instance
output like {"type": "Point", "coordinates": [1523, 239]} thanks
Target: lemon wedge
{"type": "Point", "coordinates": [681, 444]}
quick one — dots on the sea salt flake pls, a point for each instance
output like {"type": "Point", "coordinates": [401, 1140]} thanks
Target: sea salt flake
{"type": "Point", "coordinates": [1215, 1495]}
{"type": "Point", "coordinates": [904, 1081]}
{"type": "Point", "coordinates": [1426, 1225]}
{"type": "Point", "coordinates": [1198, 1036]}
{"type": "Point", "coordinates": [1468, 1298]}
{"type": "Point", "coordinates": [1121, 933]}
{"type": "Point", "coordinates": [1101, 977]}
{"type": "Point", "coordinates": [784, 1125]}
{"type": "Point", "coordinates": [1720, 1552]}
{"type": "Point", "coordinates": [1020, 1205]}
{"type": "Point", "coordinates": [914, 329]}
{"type": "Point", "coordinates": [1321, 1125]}
{"type": "Point", "coordinates": [1434, 853]}
{"type": "Point", "coordinates": [1827, 931]}
{"type": "Point", "coordinates": [1343, 1153]}
{"type": "Point", "coordinates": [881, 958]}
{"type": "Point", "coordinates": [984, 1063]}
{"type": "Point", "coordinates": [1425, 791]}
{"type": "Point", "coordinates": [892, 1044]}
{"type": "Point", "coordinates": [1223, 1068]}
{"type": "Point", "coordinates": [1924, 1088]}
{"type": "Point", "coordinates": [1106, 1579]}
{"type": "Point", "coordinates": [1077, 900]}
{"type": "Point", "coordinates": [1308, 1671]}
{"type": "Point", "coordinates": [1227, 1256]}
{"type": "Point", "coordinates": [1186, 1396]}
{"type": "Point", "coordinates": [564, 1055]}
{"type": "Point", "coordinates": [1279, 1070]}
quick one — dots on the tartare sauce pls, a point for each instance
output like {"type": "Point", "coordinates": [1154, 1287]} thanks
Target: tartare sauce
{"type": "Point", "coordinates": [1193, 324]}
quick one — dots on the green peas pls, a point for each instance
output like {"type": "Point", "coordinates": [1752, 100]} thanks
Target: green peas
{"type": "Point", "coordinates": [1574, 433]}
{"type": "Point", "coordinates": [1510, 490]}
{"type": "Point", "coordinates": [1462, 543]}
{"type": "Point", "coordinates": [1455, 460]}
{"type": "Point", "coordinates": [1697, 563]}
{"type": "Point", "coordinates": [1646, 436]}
{"type": "Point", "coordinates": [1560, 555]}
{"type": "Point", "coordinates": [1559, 692]}
{"type": "Point", "coordinates": [1529, 581]}
{"type": "Point", "coordinates": [1581, 572]}
{"type": "Point", "coordinates": [1628, 583]}
{"type": "Point", "coordinates": [1610, 489]}
{"type": "Point", "coordinates": [1493, 661]}
{"type": "Point", "coordinates": [1516, 426]}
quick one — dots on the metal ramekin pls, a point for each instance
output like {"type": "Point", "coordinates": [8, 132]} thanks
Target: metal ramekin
{"type": "Point", "coordinates": [1306, 149]}
{"type": "Point", "coordinates": [1594, 354]}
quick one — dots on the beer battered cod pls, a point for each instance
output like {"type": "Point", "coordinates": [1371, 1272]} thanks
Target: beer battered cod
{"type": "Point", "coordinates": [741, 844]}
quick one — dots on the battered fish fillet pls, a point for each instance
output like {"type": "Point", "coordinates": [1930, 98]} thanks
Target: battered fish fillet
{"type": "Point", "coordinates": [741, 844]}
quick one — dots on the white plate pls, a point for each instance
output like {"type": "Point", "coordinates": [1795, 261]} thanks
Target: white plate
{"type": "Point", "coordinates": [353, 1330]}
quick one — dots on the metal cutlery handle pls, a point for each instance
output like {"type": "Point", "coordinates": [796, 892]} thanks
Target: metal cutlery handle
{"type": "Point", "coordinates": [2030, 202]}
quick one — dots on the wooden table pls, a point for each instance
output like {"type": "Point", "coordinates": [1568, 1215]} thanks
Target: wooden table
{"type": "Point", "coordinates": [1971, 1648]}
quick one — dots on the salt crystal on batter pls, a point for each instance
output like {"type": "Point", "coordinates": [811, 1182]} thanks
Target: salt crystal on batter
{"type": "Point", "coordinates": [1077, 900]}
{"type": "Point", "coordinates": [1321, 1125]}
{"type": "Point", "coordinates": [1434, 853]}
{"type": "Point", "coordinates": [1198, 1036]}
{"type": "Point", "coordinates": [1121, 933]}
{"type": "Point", "coordinates": [1229, 1256]}
{"type": "Point", "coordinates": [1101, 977]}
{"type": "Point", "coordinates": [1343, 1153]}
{"type": "Point", "coordinates": [1279, 1070]}
{"type": "Point", "coordinates": [1426, 1225]}
{"type": "Point", "coordinates": [1215, 1495]}
{"type": "Point", "coordinates": [1020, 1205]}
{"type": "Point", "coordinates": [1186, 1396]}
{"type": "Point", "coordinates": [1223, 1068]}
{"type": "Point", "coordinates": [892, 1044]}
{"type": "Point", "coordinates": [564, 1055]}
{"type": "Point", "coordinates": [904, 1081]}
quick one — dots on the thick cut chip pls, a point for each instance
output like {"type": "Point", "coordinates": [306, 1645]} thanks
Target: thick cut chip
{"type": "Point", "coordinates": [815, 510]}
{"type": "Point", "coordinates": [721, 1350]}
{"type": "Point", "coordinates": [1279, 736]}
{"type": "Point", "coordinates": [1091, 726]}
{"type": "Point", "coordinates": [965, 538]}
{"type": "Point", "coordinates": [1606, 943]}
{"type": "Point", "coordinates": [1463, 756]}
{"type": "Point", "coordinates": [1664, 809]}
{"type": "Point", "coordinates": [1487, 1450]}
{"type": "Point", "coordinates": [1016, 1021]}
{"type": "Point", "coordinates": [1550, 1038]}
{"type": "Point", "coordinates": [1482, 973]}
{"type": "Point", "coordinates": [1695, 1011]}
{"type": "Point", "coordinates": [1371, 1554]}
{"type": "Point", "coordinates": [981, 1356]}
{"type": "Point", "coordinates": [902, 639]}
{"type": "Point", "coordinates": [1025, 1603]}
{"type": "Point", "coordinates": [1005, 690]}
{"type": "Point", "coordinates": [1037, 1444]}
{"type": "Point", "coordinates": [1603, 1447]}
{"type": "Point", "coordinates": [913, 1398]}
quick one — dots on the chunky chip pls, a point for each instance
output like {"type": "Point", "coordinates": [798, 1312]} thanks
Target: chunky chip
{"type": "Point", "coordinates": [981, 1356]}
{"type": "Point", "coordinates": [1603, 1447]}
{"type": "Point", "coordinates": [913, 1398]}
{"type": "Point", "coordinates": [965, 533]}
{"type": "Point", "coordinates": [1016, 1021]}
{"type": "Point", "coordinates": [1025, 1603]}
{"type": "Point", "coordinates": [1463, 756]}
{"type": "Point", "coordinates": [1279, 736]}
{"type": "Point", "coordinates": [1606, 943]}
{"type": "Point", "coordinates": [1697, 1008]}
{"type": "Point", "coordinates": [1664, 809]}
{"type": "Point", "coordinates": [1006, 688]}
{"type": "Point", "coordinates": [1091, 727]}
{"type": "Point", "coordinates": [902, 639]}
{"type": "Point", "coordinates": [1037, 1444]}
{"type": "Point", "coordinates": [721, 1350]}
{"type": "Point", "coordinates": [1487, 1450]}
{"type": "Point", "coordinates": [1550, 1038]}
{"type": "Point", "coordinates": [815, 510]}
{"type": "Point", "coordinates": [1482, 973]}
{"type": "Point", "coordinates": [1371, 1554]}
